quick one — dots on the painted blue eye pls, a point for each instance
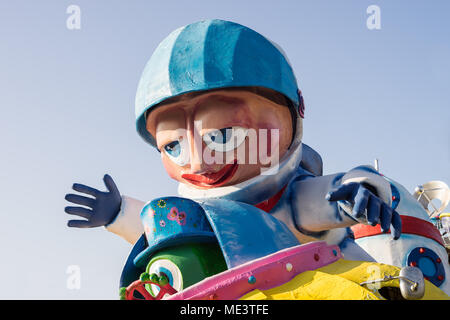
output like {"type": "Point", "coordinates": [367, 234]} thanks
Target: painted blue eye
{"type": "Point", "coordinates": [221, 136]}
{"type": "Point", "coordinates": [173, 149]}
{"type": "Point", "coordinates": [225, 139]}
{"type": "Point", "coordinates": [178, 151]}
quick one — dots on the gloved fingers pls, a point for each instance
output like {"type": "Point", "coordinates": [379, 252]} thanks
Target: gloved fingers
{"type": "Point", "coordinates": [79, 211]}
{"type": "Point", "coordinates": [85, 189]}
{"type": "Point", "coordinates": [360, 202]}
{"type": "Point", "coordinates": [373, 210]}
{"type": "Point", "coordinates": [84, 201]}
{"type": "Point", "coordinates": [110, 184]}
{"type": "Point", "coordinates": [344, 192]}
{"type": "Point", "coordinates": [385, 217]}
{"type": "Point", "coordinates": [80, 224]}
{"type": "Point", "coordinates": [396, 223]}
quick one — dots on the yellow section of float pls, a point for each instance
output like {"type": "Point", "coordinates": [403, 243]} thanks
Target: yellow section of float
{"type": "Point", "coordinates": [340, 281]}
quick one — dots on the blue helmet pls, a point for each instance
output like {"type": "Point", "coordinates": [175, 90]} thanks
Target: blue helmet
{"type": "Point", "coordinates": [212, 54]}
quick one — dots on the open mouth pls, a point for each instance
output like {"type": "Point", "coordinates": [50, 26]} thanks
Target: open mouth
{"type": "Point", "coordinates": [214, 179]}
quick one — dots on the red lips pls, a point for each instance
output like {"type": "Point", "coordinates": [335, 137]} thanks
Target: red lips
{"type": "Point", "coordinates": [213, 179]}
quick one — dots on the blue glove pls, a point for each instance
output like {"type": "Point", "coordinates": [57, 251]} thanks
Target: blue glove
{"type": "Point", "coordinates": [378, 212]}
{"type": "Point", "coordinates": [103, 208]}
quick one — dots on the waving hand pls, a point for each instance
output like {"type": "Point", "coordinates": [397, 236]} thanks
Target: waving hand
{"type": "Point", "coordinates": [99, 209]}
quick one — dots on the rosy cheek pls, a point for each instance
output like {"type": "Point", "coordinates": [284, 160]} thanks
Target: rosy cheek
{"type": "Point", "coordinates": [271, 135]}
{"type": "Point", "coordinates": [172, 169]}
{"type": "Point", "coordinates": [273, 140]}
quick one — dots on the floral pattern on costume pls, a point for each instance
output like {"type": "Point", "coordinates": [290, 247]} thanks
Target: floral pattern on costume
{"type": "Point", "coordinates": [179, 217]}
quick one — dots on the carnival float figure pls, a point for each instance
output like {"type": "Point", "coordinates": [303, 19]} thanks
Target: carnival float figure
{"type": "Point", "coordinates": [255, 217]}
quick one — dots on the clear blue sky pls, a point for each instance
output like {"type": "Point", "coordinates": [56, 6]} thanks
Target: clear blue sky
{"type": "Point", "coordinates": [67, 111]}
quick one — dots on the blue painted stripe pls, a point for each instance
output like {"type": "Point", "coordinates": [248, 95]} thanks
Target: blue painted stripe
{"type": "Point", "coordinates": [186, 67]}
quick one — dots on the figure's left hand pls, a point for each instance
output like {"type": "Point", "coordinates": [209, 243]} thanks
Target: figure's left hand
{"type": "Point", "coordinates": [367, 205]}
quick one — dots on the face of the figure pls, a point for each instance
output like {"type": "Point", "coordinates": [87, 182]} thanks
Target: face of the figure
{"type": "Point", "coordinates": [221, 137]}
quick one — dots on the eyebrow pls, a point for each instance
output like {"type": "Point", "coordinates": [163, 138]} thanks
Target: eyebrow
{"type": "Point", "coordinates": [178, 101]}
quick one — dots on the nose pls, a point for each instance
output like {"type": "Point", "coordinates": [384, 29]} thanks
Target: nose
{"type": "Point", "coordinates": [197, 165]}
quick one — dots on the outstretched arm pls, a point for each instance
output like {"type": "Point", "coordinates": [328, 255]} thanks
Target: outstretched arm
{"type": "Point", "coordinates": [342, 200]}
